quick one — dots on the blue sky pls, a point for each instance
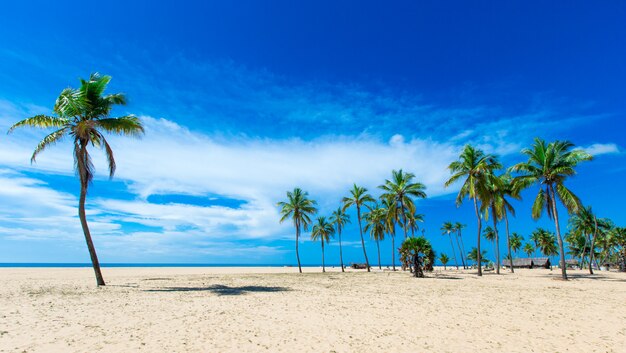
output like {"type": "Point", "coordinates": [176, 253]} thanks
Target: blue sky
{"type": "Point", "coordinates": [245, 100]}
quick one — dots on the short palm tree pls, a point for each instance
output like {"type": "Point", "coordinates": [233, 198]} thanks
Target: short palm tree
{"type": "Point", "coordinates": [458, 227]}
{"type": "Point", "coordinates": [444, 260]}
{"type": "Point", "coordinates": [482, 259]}
{"type": "Point", "coordinates": [412, 221]}
{"type": "Point", "coordinates": [545, 241]}
{"type": "Point", "coordinates": [490, 235]}
{"type": "Point", "coordinates": [529, 249]}
{"type": "Point", "coordinates": [516, 242]}
{"type": "Point", "coordinates": [446, 229]}
{"type": "Point", "coordinates": [618, 241]}
{"type": "Point", "coordinates": [376, 225]}
{"type": "Point", "coordinates": [299, 208]}
{"type": "Point", "coordinates": [419, 250]}
{"type": "Point", "coordinates": [473, 167]}
{"type": "Point", "coordinates": [548, 166]}
{"type": "Point", "coordinates": [359, 198]}
{"type": "Point", "coordinates": [322, 231]}
{"type": "Point", "coordinates": [83, 114]}
{"type": "Point", "coordinates": [339, 218]}
{"type": "Point", "coordinates": [403, 190]}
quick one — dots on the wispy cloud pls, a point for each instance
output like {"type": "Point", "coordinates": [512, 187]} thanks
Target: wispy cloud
{"type": "Point", "coordinates": [602, 148]}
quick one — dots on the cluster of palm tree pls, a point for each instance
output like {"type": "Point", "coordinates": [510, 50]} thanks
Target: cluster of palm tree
{"type": "Point", "coordinates": [395, 207]}
{"type": "Point", "coordinates": [84, 115]}
{"type": "Point", "coordinates": [449, 228]}
{"type": "Point", "coordinates": [595, 240]}
{"type": "Point", "coordinates": [490, 187]}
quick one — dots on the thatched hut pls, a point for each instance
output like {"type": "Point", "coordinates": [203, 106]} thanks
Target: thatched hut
{"type": "Point", "coordinates": [528, 262]}
{"type": "Point", "coordinates": [571, 263]}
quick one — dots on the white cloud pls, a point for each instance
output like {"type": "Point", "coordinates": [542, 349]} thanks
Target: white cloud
{"type": "Point", "coordinates": [602, 148]}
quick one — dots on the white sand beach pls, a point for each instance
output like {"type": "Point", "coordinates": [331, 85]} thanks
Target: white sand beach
{"type": "Point", "coordinates": [279, 310]}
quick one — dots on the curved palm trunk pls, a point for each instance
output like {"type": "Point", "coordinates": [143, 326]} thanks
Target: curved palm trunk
{"type": "Point", "coordinates": [460, 252]}
{"type": "Point", "coordinates": [497, 240]}
{"type": "Point", "coordinates": [378, 248]}
{"type": "Point", "coordinates": [480, 225]}
{"type": "Point", "coordinates": [297, 241]}
{"type": "Point", "coordinates": [558, 234]}
{"type": "Point", "coordinates": [508, 240]}
{"type": "Point", "coordinates": [323, 265]}
{"type": "Point", "coordinates": [83, 223]}
{"type": "Point", "coordinates": [591, 248]}
{"type": "Point", "coordinates": [340, 253]}
{"type": "Point", "coordinates": [358, 213]}
{"type": "Point", "coordinates": [463, 254]}
{"type": "Point", "coordinates": [456, 263]}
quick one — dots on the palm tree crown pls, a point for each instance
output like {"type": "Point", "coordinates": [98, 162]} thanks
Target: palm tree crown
{"type": "Point", "coordinates": [401, 189]}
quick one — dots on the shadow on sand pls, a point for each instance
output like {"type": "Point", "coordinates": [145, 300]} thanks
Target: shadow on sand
{"type": "Point", "coordinates": [596, 277]}
{"type": "Point", "coordinates": [222, 290]}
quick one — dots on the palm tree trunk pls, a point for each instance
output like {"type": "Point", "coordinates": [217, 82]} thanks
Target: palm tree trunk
{"type": "Point", "coordinates": [358, 213]}
{"type": "Point", "coordinates": [456, 263]}
{"type": "Point", "coordinates": [508, 240]}
{"type": "Point", "coordinates": [340, 253]}
{"type": "Point", "coordinates": [497, 240]}
{"type": "Point", "coordinates": [463, 254]}
{"type": "Point", "coordinates": [460, 251]}
{"type": "Point", "coordinates": [323, 265]}
{"type": "Point", "coordinates": [378, 248]}
{"type": "Point", "coordinates": [83, 223]}
{"type": "Point", "coordinates": [403, 218]}
{"type": "Point", "coordinates": [393, 251]}
{"type": "Point", "coordinates": [478, 257]}
{"type": "Point", "coordinates": [558, 234]}
{"type": "Point", "coordinates": [297, 240]}
{"type": "Point", "coordinates": [591, 248]}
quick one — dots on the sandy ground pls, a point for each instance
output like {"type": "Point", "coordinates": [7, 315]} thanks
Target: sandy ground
{"type": "Point", "coordinates": [278, 310]}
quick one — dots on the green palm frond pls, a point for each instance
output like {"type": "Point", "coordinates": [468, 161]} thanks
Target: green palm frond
{"type": "Point", "coordinates": [49, 140]}
{"type": "Point", "coordinates": [41, 121]}
{"type": "Point", "coordinates": [125, 125]}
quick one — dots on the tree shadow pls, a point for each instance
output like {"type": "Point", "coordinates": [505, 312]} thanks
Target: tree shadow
{"type": "Point", "coordinates": [595, 277]}
{"type": "Point", "coordinates": [223, 290]}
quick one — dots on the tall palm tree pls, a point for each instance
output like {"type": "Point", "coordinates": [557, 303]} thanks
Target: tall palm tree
{"type": "Point", "coordinates": [339, 218]}
{"type": "Point", "coordinates": [458, 226]}
{"type": "Point", "coordinates": [419, 250]}
{"type": "Point", "coordinates": [300, 209]}
{"type": "Point", "coordinates": [516, 242]}
{"type": "Point", "coordinates": [549, 165]}
{"type": "Point", "coordinates": [448, 228]}
{"type": "Point", "coordinates": [83, 114]}
{"type": "Point", "coordinates": [391, 218]}
{"type": "Point", "coordinates": [529, 249]}
{"type": "Point", "coordinates": [498, 189]}
{"type": "Point", "coordinates": [473, 166]}
{"type": "Point", "coordinates": [402, 190]}
{"type": "Point", "coordinates": [376, 225]}
{"type": "Point", "coordinates": [322, 231]}
{"type": "Point", "coordinates": [359, 198]}
{"type": "Point", "coordinates": [458, 244]}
